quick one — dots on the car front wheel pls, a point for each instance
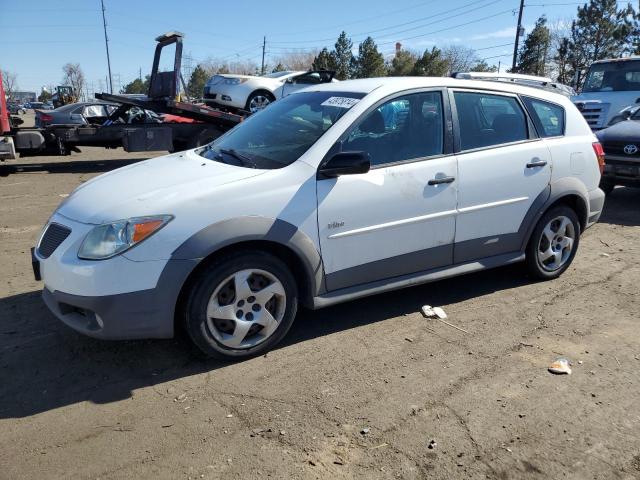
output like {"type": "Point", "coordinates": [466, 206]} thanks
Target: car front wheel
{"type": "Point", "coordinates": [258, 100]}
{"type": "Point", "coordinates": [241, 306]}
{"type": "Point", "coordinates": [554, 243]}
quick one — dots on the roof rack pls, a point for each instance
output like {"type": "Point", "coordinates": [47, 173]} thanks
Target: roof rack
{"type": "Point", "coordinates": [543, 83]}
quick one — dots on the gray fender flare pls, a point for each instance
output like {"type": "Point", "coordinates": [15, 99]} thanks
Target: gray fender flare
{"type": "Point", "coordinates": [562, 187]}
{"type": "Point", "coordinates": [251, 228]}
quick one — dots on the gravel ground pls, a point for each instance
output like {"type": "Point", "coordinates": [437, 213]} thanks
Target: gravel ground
{"type": "Point", "coordinates": [357, 390]}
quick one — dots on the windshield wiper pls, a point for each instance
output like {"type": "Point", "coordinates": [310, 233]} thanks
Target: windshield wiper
{"type": "Point", "coordinates": [246, 161]}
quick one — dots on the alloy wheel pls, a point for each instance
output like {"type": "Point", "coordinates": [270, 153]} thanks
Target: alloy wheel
{"type": "Point", "coordinates": [258, 103]}
{"type": "Point", "coordinates": [246, 308]}
{"type": "Point", "coordinates": [556, 243]}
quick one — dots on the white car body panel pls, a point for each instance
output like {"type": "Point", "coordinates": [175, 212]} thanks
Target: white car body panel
{"type": "Point", "coordinates": [387, 212]}
{"type": "Point", "coordinates": [496, 189]}
{"type": "Point", "coordinates": [351, 221]}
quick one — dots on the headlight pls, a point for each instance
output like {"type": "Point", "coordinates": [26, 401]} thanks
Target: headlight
{"type": "Point", "coordinates": [235, 81]}
{"type": "Point", "coordinates": [110, 239]}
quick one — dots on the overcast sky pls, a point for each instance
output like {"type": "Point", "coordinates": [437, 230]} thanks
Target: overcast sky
{"type": "Point", "coordinates": [39, 36]}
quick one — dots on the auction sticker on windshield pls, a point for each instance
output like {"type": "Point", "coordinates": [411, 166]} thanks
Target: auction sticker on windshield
{"type": "Point", "coordinates": [341, 102]}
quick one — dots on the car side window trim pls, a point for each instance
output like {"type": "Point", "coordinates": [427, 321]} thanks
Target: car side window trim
{"type": "Point", "coordinates": [447, 145]}
{"type": "Point", "coordinates": [532, 134]}
{"type": "Point", "coordinates": [531, 114]}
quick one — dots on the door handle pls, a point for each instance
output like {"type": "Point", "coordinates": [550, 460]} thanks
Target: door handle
{"type": "Point", "coordinates": [437, 181]}
{"type": "Point", "coordinates": [536, 162]}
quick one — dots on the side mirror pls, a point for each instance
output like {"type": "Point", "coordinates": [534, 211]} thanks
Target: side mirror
{"type": "Point", "coordinates": [345, 163]}
{"type": "Point", "coordinates": [289, 80]}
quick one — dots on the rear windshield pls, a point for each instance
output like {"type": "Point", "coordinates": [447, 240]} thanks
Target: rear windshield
{"type": "Point", "coordinates": [278, 135]}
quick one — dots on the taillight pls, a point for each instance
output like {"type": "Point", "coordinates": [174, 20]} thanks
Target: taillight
{"type": "Point", "coordinates": [45, 118]}
{"type": "Point", "coordinates": [599, 151]}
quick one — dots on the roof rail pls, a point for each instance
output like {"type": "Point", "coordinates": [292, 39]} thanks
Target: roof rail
{"type": "Point", "coordinates": [543, 83]}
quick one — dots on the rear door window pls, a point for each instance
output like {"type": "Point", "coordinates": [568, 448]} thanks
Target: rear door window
{"type": "Point", "coordinates": [547, 117]}
{"type": "Point", "coordinates": [486, 119]}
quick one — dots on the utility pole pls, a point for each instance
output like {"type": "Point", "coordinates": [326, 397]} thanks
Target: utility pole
{"type": "Point", "coordinates": [518, 30]}
{"type": "Point", "coordinates": [264, 46]}
{"type": "Point", "coordinates": [140, 74]}
{"type": "Point", "coordinates": [106, 43]}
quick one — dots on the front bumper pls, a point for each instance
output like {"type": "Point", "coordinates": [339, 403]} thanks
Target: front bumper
{"type": "Point", "coordinates": [112, 317]}
{"type": "Point", "coordinates": [117, 298]}
{"type": "Point", "coordinates": [233, 96]}
{"type": "Point", "coordinates": [621, 171]}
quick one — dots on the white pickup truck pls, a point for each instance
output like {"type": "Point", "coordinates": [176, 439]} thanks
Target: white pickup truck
{"type": "Point", "coordinates": [610, 86]}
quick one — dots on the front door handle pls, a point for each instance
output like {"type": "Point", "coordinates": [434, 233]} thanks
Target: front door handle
{"type": "Point", "coordinates": [437, 181]}
{"type": "Point", "coordinates": [536, 162]}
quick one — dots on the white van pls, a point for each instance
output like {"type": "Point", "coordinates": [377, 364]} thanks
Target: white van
{"type": "Point", "coordinates": [332, 193]}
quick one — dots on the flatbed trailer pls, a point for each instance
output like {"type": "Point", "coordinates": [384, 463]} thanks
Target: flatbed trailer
{"type": "Point", "coordinates": [201, 124]}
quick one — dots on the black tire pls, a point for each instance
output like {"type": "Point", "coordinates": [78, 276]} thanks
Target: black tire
{"type": "Point", "coordinates": [534, 265]}
{"type": "Point", "coordinates": [607, 187]}
{"type": "Point", "coordinates": [257, 93]}
{"type": "Point", "coordinates": [205, 284]}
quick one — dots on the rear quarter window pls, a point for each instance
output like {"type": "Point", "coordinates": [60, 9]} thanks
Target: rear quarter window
{"type": "Point", "coordinates": [547, 117]}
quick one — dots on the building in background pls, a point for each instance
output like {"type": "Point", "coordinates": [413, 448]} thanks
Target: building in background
{"type": "Point", "coordinates": [24, 97]}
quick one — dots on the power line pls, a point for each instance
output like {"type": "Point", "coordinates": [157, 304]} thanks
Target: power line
{"type": "Point", "coordinates": [367, 19]}
{"type": "Point", "coordinates": [450, 28]}
{"type": "Point", "coordinates": [446, 12]}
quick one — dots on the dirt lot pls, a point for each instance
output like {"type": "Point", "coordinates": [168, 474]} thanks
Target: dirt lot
{"type": "Point", "coordinates": [74, 407]}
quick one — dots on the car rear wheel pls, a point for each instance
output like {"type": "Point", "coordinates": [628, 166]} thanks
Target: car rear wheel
{"type": "Point", "coordinates": [241, 306]}
{"type": "Point", "coordinates": [554, 243]}
{"type": "Point", "coordinates": [258, 100]}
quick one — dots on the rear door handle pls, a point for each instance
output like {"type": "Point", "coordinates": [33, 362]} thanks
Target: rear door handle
{"type": "Point", "coordinates": [536, 163]}
{"type": "Point", "coordinates": [437, 181]}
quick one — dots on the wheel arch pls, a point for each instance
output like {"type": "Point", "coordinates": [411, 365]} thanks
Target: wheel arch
{"type": "Point", "coordinates": [568, 191]}
{"type": "Point", "coordinates": [278, 237]}
{"type": "Point", "coordinates": [260, 89]}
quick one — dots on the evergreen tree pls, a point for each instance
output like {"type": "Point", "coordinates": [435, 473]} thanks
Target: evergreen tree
{"type": "Point", "coordinates": [483, 66]}
{"type": "Point", "coordinates": [431, 64]}
{"type": "Point", "coordinates": [137, 86]}
{"type": "Point", "coordinates": [370, 62]}
{"type": "Point", "coordinates": [325, 60]}
{"type": "Point", "coordinates": [44, 96]}
{"type": "Point", "coordinates": [403, 63]}
{"type": "Point", "coordinates": [199, 77]}
{"type": "Point", "coordinates": [278, 68]}
{"type": "Point", "coordinates": [532, 57]}
{"type": "Point", "coordinates": [345, 61]}
{"type": "Point", "coordinates": [561, 60]}
{"type": "Point", "coordinates": [599, 31]}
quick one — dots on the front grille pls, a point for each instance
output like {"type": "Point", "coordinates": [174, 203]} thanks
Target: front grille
{"type": "Point", "coordinates": [595, 113]}
{"type": "Point", "coordinates": [52, 238]}
{"type": "Point", "coordinates": [617, 148]}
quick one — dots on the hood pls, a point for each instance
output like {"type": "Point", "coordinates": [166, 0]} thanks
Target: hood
{"type": "Point", "coordinates": [625, 131]}
{"type": "Point", "coordinates": [150, 187]}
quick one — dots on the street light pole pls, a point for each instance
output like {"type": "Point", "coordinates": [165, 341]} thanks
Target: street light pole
{"type": "Point", "coordinates": [106, 43]}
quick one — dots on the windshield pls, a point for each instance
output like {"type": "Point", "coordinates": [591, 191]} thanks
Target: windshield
{"type": "Point", "coordinates": [278, 74]}
{"type": "Point", "coordinates": [613, 77]}
{"type": "Point", "coordinates": [278, 135]}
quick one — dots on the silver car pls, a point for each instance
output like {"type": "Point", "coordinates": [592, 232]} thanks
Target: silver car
{"type": "Point", "coordinates": [84, 113]}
